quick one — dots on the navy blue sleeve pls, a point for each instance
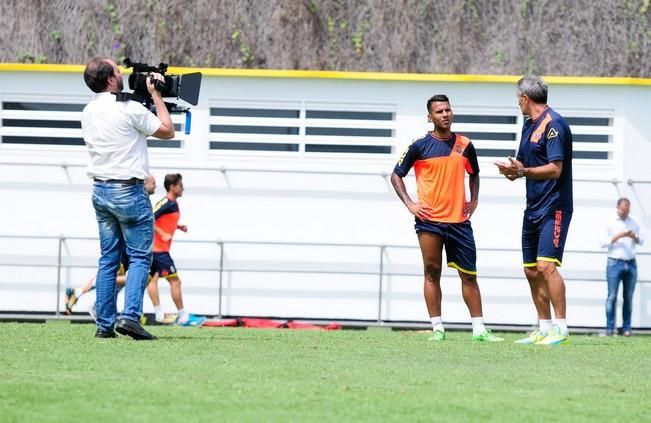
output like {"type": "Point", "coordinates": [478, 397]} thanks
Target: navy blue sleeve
{"type": "Point", "coordinates": [555, 136]}
{"type": "Point", "coordinates": [471, 154]}
{"type": "Point", "coordinates": [164, 207]}
{"type": "Point", "coordinates": [407, 160]}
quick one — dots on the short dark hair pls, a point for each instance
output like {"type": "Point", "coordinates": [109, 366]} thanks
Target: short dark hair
{"type": "Point", "coordinates": [436, 98]}
{"type": "Point", "coordinates": [97, 73]}
{"type": "Point", "coordinates": [171, 179]}
{"type": "Point", "coordinates": [623, 200]}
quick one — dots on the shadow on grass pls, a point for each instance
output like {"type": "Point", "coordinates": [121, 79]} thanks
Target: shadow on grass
{"type": "Point", "coordinates": [211, 337]}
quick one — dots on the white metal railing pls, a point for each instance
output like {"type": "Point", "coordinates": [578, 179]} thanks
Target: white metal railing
{"type": "Point", "coordinates": [226, 169]}
{"type": "Point", "coordinates": [382, 267]}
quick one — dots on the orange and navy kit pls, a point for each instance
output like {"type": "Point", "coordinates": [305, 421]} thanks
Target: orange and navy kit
{"type": "Point", "coordinates": [441, 166]}
{"type": "Point", "coordinates": [549, 202]}
{"type": "Point", "coordinates": [166, 218]}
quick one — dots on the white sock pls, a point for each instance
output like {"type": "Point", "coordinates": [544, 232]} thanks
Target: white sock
{"type": "Point", "coordinates": [477, 326]}
{"type": "Point", "coordinates": [544, 326]}
{"type": "Point", "coordinates": [562, 326]}
{"type": "Point", "coordinates": [159, 312]}
{"type": "Point", "coordinates": [183, 316]}
{"type": "Point", "coordinates": [437, 324]}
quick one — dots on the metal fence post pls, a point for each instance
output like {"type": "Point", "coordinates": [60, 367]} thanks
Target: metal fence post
{"type": "Point", "coordinates": [379, 302]}
{"type": "Point", "coordinates": [59, 274]}
{"type": "Point", "coordinates": [221, 276]}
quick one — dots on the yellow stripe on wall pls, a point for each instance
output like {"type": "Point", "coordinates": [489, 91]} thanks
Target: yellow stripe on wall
{"type": "Point", "coordinates": [367, 76]}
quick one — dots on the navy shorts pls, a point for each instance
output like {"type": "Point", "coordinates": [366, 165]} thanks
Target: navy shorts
{"type": "Point", "coordinates": [162, 264]}
{"type": "Point", "coordinates": [543, 237]}
{"type": "Point", "coordinates": [458, 240]}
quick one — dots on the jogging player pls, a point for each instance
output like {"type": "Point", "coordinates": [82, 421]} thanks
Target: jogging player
{"type": "Point", "coordinates": [167, 215]}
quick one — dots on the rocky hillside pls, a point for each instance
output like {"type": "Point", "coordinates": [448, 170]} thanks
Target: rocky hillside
{"type": "Point", "coordinates": [550, 37]}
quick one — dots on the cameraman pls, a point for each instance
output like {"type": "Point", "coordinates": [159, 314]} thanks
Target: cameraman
{"type": "Point", "coordinates": [116, 135]}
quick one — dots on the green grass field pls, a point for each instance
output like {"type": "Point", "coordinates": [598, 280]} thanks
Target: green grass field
{"type": "Point", "coordinates": [59, 372]}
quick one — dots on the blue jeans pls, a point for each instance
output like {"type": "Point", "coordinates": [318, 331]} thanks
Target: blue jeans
{"type": "Point", "coordinates": [626, 272]}
{"type": "Point", "coordinates": [126, 223]}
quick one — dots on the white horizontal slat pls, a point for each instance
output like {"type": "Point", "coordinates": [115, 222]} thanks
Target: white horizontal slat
{"type": "Point", "coordinates": [41, 132]}
{"type": "Point", "coordinates": [368, 157]}
{"type": "Point", "coordinates": [214, 152]}
{"type": "Point", "coordinates": [253, 121]}
{"type": "Point", "coordinates": [255, 104]}
{"type": "Point", "coordinates": [597, 165]}
{"type": "Point", "coordinates": [592, 130]}
{"type": "Point", "coordinates": [351, 123]}
{"type": "Point", "coordinates": [351, 107]}
{"type": "Point", "coordinates": [594, 146]}
{"type": "Point", "coordinates": [222, 136]}
{"type": "Point", "coordinates": [40, 115]}
{"type": "Point", "coordinates": [510, 145]}
{"type": "Point", "coordinates": [67, 116]}
{"type": "Point", "coordinates": [493, 144]}
{"type": "Point", "coordinates": [54, 96]}
{"type": "Point", "coordinates": [485, 127]}
{"type": "Point", "coordinates": [350, 140]}
{"type": "Point", "coordinates": [585, 113]}
{"type": "Point", "coordinates": [334, 142]}
{"type": "Point", "coordinates": [486, 110]}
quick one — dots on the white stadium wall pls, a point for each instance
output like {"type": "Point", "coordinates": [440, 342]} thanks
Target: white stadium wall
{"type": "Point", "coordinates": [288, 172]}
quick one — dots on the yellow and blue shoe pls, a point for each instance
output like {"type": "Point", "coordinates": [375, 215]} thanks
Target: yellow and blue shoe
{"type": "Point", "coordinates": [554, 337]}
{"type": "Point", "coordinates": [533, 338]}
{"type": "Point", "coordinates": [192, 321]}
{"type": "Point", "coordinates": [437, 335]}
{"type": "Point", "coordinates": [168, 319]}
{"type": "Point", "coordinates": [487, 336]}
{"type": "Point", "coordinates": [70, 299]}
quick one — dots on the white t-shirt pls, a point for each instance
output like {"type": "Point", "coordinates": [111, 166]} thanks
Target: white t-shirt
{"type": "Point", "coordinates": [116, 135]}
{"type": "Point", "coordinates": [624, 247]}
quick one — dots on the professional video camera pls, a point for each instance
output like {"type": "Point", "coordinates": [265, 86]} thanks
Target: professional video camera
{"type": "Point", "coordinates": [183, 87]}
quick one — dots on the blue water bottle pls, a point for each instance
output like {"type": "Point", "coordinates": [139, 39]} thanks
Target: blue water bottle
{"type": "Point", "coordinates": [188, 121]}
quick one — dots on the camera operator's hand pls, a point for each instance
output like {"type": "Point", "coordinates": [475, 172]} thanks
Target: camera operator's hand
{"type": "Point", "coordinates": [150, 84]}
{"type": "Point", "coordinates": [166, 130]}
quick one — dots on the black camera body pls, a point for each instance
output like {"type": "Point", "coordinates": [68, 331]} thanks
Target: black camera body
{"type": "Point", "coordinates": [182, 87]}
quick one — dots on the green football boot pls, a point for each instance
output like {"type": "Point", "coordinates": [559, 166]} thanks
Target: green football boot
{"type": "Point", "coordinates": [487, 336]}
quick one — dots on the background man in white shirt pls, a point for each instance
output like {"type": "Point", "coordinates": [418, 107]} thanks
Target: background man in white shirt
{"type": "Point", "coordinates": [116, 133]}
{"type": "Point", "coordinates": [622, 235]}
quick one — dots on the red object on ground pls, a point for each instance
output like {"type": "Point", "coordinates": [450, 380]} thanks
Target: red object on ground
{"type": "Point", "coordinates": [221, 323]}
{"type": "Point", "coordinates": [261, 323]}
{"type": "Point", "coordinates": [268, 324]}
{"type": "Point", "coordinates": [332, 326]}
{"type": "Point", "coordinates": [308, 326]}
{"type": "Point", "coordinates": [305, 326]}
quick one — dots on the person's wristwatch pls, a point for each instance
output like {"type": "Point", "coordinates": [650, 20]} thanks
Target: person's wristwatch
{"type": "Point", "coordinates": [520, 173]}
